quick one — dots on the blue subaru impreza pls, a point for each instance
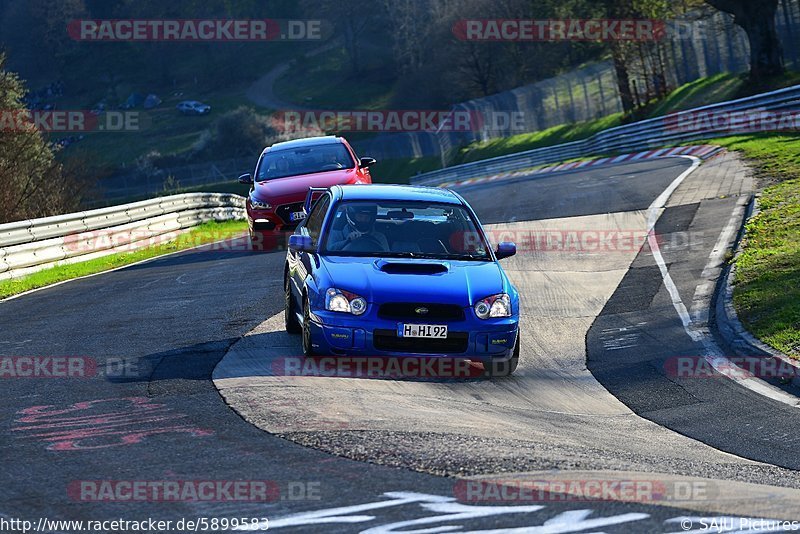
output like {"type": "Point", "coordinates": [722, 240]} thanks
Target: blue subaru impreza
{"type": "Point", "coordinates": [390, 270]}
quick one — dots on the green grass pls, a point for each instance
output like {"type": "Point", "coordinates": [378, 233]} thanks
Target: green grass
{"type": "Point", "coordinates": [527, 141]}
{"type": "Point", "coordinates": [163, 129]}
{"type": "Point", "coordinates": [717, 88]}
{"type": "Point", "coordinates": [204, 233]}
{"type": "Point", "coordinates": [699, 93]}
{"type": "Point", "coordinates": [399, 171]}
{"type": "Point", "coordinates": [767, 286]}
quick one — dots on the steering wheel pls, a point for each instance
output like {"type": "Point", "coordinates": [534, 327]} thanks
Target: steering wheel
{"type": "Point", "coordinates": [332, 166]}
{"type": "Point", "coordinates": [363, 240]}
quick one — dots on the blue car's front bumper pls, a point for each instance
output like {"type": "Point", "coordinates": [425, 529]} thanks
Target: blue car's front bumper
{"type": "Point", "coordinates": [343, 334]}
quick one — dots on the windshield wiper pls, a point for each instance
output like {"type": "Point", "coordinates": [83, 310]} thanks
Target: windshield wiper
{"type": "Point", "coordinates": [400, 254]}
{"type": "Point", "coordinates": [481, 257]}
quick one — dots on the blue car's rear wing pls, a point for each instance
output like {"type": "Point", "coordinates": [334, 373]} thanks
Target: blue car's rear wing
{"type": "Point", "coordinates": [310, 197]}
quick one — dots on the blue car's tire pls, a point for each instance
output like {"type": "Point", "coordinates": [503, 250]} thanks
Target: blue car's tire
{"type": "Point", "coordinates": [308, 350]}
{"type": "Point", "coordinates": [503, 368]}
{"type": "Point", "coordinates": [289, 311]}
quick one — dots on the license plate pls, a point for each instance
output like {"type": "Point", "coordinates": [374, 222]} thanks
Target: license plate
{"type": "Point", "coordinates": [297, 216]}
{"type": "Point", "coordinates": [422, 330]}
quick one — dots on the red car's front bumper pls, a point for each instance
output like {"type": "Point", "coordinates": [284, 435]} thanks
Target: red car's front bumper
{"type": "Point", "coordinates": [270, 229]}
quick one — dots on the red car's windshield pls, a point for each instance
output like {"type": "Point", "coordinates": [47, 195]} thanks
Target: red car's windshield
{"type": "Point", "coordinates": [304, 160]}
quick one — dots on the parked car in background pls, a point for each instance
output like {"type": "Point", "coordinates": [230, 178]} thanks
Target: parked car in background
{"type": "Point", "coordinates": [282, 178]}
{"type": "Point", "coordinates": [193, 107]}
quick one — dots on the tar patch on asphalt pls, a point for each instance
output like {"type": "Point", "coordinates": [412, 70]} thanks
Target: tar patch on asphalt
{"type": "Point", "coordinates": [676, 219]}
{"type": "Point", "coordinates": [643, 387]}
{"type": "Point", "coordinates": [636, 291]}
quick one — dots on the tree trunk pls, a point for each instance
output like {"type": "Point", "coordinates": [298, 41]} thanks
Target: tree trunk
{"type": "Point", "coordinates": [766, 53]}
{"type": "Point", "coordinates": [757, 19]}
{"type": "Point", "coordinates": [623, 82]}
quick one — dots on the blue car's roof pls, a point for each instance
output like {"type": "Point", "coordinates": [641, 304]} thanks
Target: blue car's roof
{"type": "Point", "coordinates": [308, 141]}
{"type": "Point", "coordinates": [397, 192]}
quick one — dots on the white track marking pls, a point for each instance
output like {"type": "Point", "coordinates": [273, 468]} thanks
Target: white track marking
{"type": "Point", "coordinates": [653, 214]}
{"type": "Point", "coordinates": [695, 328]}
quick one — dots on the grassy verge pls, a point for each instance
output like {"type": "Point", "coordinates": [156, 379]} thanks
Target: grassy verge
{"type": "Point", "coordinates": [552, 136]}
{"type": "Point", "coordinates": [700, 92]}
{"type": "Point", "coordinates": [205, 233]}
{"type": "Point", "coordinates": [164, 129]}
{"type": "Point", "coordinates": [399, 171]}
{"type": "Point", "coordinates": [767, 286]}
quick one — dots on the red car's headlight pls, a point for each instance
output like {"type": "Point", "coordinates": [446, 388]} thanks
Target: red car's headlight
{"type": "Point", "coordinates": [258, 205]}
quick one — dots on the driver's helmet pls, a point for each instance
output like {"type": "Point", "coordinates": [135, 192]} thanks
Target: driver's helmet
{"type": "Point", "coordinates": [362, 217]}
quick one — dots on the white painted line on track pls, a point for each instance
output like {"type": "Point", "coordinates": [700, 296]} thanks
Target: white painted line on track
{"type": "Point", "coordinates": [653, 213]}
{"type": "Point", "coordinates": [695, 328]}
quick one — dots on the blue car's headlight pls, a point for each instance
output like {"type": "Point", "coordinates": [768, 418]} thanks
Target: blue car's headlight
{"type": "Point", "coordinates": [344, 301]}
{"type": "Point", "coordinates": [495, 306]}
{"type": "Point", "coordinates": [258, 205]}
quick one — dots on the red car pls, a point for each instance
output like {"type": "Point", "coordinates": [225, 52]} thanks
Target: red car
{"type": "Point", "coordinates": [283, 175]}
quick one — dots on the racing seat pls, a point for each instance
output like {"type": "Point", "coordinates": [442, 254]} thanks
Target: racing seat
{"type": "Point", "coordinates": [433, 243]}
{"type": "Point", "coordinates": [398, 233]}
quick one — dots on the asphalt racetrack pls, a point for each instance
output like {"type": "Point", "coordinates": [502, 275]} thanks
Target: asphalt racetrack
{"type": "Point", "coordinates": [185, 387]}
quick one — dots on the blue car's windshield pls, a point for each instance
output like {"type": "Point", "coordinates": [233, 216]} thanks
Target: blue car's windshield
{"type": "Point", "coordinates": [404, 229]}
{"type": "Point", "coordinates": [304, 160]}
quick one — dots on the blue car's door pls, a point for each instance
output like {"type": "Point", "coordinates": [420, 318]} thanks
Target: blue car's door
{"type": "Point", "coordinates": [302, 264]}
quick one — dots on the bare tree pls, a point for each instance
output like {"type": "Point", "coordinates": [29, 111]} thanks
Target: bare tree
{"type": "Point", "coordinates": [351, 18]}
{"type": "Point", "coordinates": [480, 68]}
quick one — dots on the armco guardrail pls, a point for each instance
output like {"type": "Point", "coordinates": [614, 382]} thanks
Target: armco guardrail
{"type": "Point", "coordinates": [642, 135]}
{"type": "Point", "coordinates": [32, 245]}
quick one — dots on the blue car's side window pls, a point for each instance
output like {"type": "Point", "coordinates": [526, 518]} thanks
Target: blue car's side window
{"type": "Point", "coordinates": [315, 219]}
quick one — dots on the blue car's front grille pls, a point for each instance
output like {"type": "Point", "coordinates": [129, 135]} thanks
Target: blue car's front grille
{"type": "Point", "coordinates": [455, 343]}
{"type": "Point", "coordinates": [421, 311]}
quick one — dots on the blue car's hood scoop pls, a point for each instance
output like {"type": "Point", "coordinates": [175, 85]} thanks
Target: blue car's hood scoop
{"type": "Point", "coordinates": [407, 280]}
{"type": "Point", "coordinates": [405, 267]}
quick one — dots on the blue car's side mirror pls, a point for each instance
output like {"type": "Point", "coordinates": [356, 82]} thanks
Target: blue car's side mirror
{"type": "Point", "coordinates": [505, 250]}
{"type": "Point", "coordinates": [300, 243]}
{"type": "Point", "coordinates": [246, 179]}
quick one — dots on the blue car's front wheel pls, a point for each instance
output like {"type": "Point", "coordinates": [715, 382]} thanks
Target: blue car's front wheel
{"type": "Point", "coordinates": [289, 314]}
{"type": "Point", "coordinates": [308, 349]}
